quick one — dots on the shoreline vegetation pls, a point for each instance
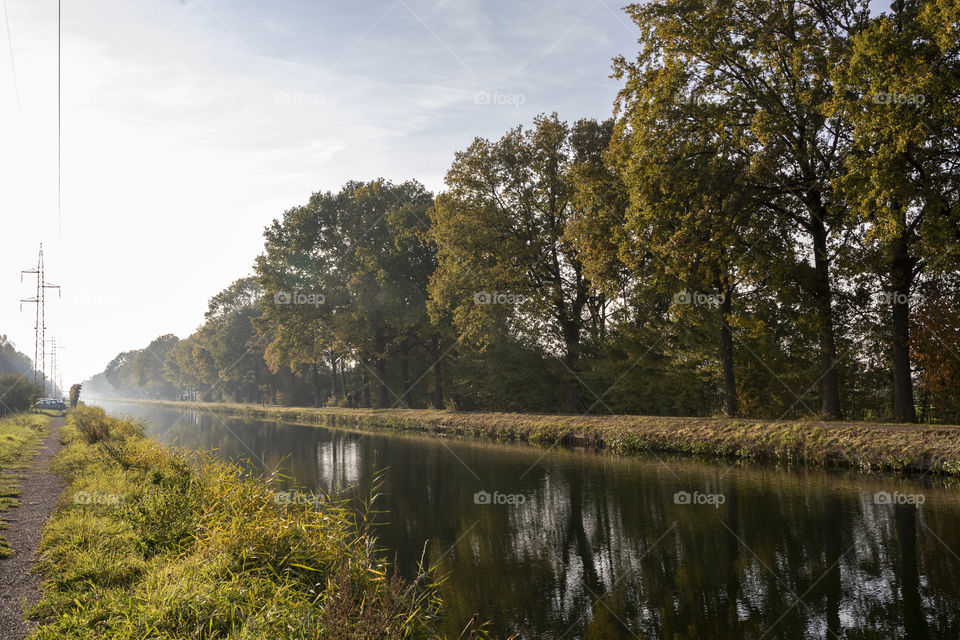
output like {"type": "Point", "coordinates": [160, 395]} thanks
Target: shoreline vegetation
{"type": "Point", "coordinates": [897, 448]}
{"type": "Point", "coordinates": [20, 438]}
{"type": "Point", "coordinates": [155, 542]}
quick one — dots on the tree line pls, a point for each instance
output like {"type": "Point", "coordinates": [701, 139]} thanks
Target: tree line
{"type": "Point", "coordinates": [767, 226]}
{"type": "Point", "coordinates": [18, 389]}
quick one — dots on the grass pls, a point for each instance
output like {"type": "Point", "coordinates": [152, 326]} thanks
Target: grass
{"type": "Point", "coordinates": [150, 542]}
{"type": "Point", "coordinates": [899, 448]}
{"type": "Point", "coordinates": [20, 437]}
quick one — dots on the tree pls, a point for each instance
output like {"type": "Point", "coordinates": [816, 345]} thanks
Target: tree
{"type": "Point", "coordinates": [505, 262]}
{"type": "Point", "coordinates": [899, 92]}
{"type": "Point", "coordinates": [690, 228]}
{"type": "Point", "coordinates": [115, 369]}
{"type": "Point", "coordinates": [360, 260]}
{"type": "Point", "coordinates": [936, 336]}
{"type": "Point", "coordinates": [17, 393]}
{"type": "Point", "coordinates": [75, 395]}
{"type": "Point", "coordinates": [766, 68]}
{"type": "Point", "coordinates": [147, 368]}
{"type": "Point", "coordinates": [12, 361]}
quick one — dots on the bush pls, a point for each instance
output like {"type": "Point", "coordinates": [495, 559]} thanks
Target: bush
{"type": "Point", "coordinates": [95, 426]}
{"type": "Point", "coordinates": [17, 394]}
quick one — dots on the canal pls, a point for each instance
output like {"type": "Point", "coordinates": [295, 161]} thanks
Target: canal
{"type": "Point", "coordinates": [570, 544]}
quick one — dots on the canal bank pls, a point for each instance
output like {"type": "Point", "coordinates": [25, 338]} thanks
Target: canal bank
{"type": "Point", "coordinates": [898, 448]}
{"type": "Point", "coordinates": [155, 542]}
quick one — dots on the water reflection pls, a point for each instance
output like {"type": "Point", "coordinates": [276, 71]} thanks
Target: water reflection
{"type": "Point", "coordinates": [599, 547]}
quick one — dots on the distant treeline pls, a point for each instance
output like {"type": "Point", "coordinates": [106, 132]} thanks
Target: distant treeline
{"type": "Point", "coordinates": [18, 392]}
{"type": "Point", "coordinates": [768, 226]}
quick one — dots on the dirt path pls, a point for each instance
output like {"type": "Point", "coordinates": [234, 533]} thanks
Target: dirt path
{"type": "Point", "coordinates": [39, 490]}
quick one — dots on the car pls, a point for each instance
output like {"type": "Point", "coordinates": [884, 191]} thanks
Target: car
{"type": "Point", "coordinates": [51, 403]}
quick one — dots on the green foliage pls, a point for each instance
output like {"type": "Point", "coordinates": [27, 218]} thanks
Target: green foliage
{"type": "Point", "coordinates": [17, 393]}
{"type": "Point", "coordinates": [506, 261]}
{"type": "Point", "coordinates": [363, 256]}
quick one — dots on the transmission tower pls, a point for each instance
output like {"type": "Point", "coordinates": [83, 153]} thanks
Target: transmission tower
{"type": "Point", "coordinates": [55, 384]}
{"type": "Point", "coordinates": [40, 324]}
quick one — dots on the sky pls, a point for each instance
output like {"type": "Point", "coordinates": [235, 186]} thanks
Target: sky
{"type": "Point", "coordinates": [189, 125]}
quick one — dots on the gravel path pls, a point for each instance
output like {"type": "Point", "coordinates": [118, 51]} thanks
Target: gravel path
{"type": "Point", "coordinates": [39, 491]}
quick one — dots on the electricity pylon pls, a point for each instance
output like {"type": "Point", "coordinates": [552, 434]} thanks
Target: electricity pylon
{"type": "Point", "coordinates": [40, 324]}
{"type": "Point", "coordinates": [55, 381]}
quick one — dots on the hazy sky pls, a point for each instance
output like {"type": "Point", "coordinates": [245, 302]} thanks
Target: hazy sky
{"type": "Point", "coordinates": [188, 125]}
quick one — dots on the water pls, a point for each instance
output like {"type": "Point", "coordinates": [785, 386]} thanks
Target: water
{"type": "Point", "coordinates": [590, 546]}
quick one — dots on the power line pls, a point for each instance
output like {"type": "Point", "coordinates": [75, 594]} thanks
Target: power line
{"type": "Point", "coordinates": [13, 67]}
{"type": "Point", "coordinates": [59, 126]}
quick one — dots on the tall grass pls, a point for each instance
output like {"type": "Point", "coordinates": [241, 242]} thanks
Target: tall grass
{"type": "Point", "coordinates": [152, 543]}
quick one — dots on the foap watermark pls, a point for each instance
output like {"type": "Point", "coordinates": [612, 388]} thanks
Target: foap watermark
{"type": "Point", "coordinates": [500, 99]}
{"type": "Point", "coordinates": [497, 297]}
{"type": "Point", "coordinates": [308, 498]}
{"type": "Point", "coordinates": [298, 297]}
{"type": "Point", "coordinates": [695, 297]}
{"type": "Point", "coordinates": [885, 497]}
{"type": "Point", "coordinates": [890, 298]}
{"type": "Point", "coordinates": [485, 497]}
{"type": "Point", "coordinates": [883, 97]}
{"type": "Point", "coordinates": [687, 498]}
{"type": "Point", "coordinates": [688, 98]}
{"type": "Point", "coordinates": [298, 99]}
{"type": "Point", "coordinates": [99, 498]}
{"type": "Point", "coordinates": [99, 98]}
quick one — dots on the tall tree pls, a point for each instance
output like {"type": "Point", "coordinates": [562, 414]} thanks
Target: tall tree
{"type": "Point", "coordinates": [899, 91]}
{"type": "Point", "coordinates": [364, 251]}
{"type": "Point", "coordinates": [506, 263]}
{"type": "Point", "coordinates": [766, 66]}
{"type": "Point", "coordinates": [690, 227]}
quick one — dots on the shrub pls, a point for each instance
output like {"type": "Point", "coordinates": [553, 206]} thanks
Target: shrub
{"type": "Point", "coordinates": [17, 394]}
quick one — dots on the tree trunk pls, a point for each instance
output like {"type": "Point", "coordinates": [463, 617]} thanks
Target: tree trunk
{"type": "Point", "coordinates": [383, 399]}
{"type": "Point", "coordinates": [571, 338]}
{"type": "Point", "coordinates": [730, 405]}
{"type": "Point", "coordinates": [901, 281]}
{"type": "Point", "coordinates": [333, 378]}
{"type": "Point", "coordinates": [829, 380]}
{"type": "Point", "coordinates": [343, 377]}
{"type": "Point", "coordinates": [404, 374]}
{"type": "Point", "coordinates": [437, 374]}
{"type": "Point", "coordinates": [365, 384]}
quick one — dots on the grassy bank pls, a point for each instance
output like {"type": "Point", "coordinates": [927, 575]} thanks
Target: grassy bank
{"type": "Point", "coordinates": [882, 447]}
{"type": "Point", "coordinates": [150, 543]}
{"type": "Point", "coordinates": [20, 436]}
